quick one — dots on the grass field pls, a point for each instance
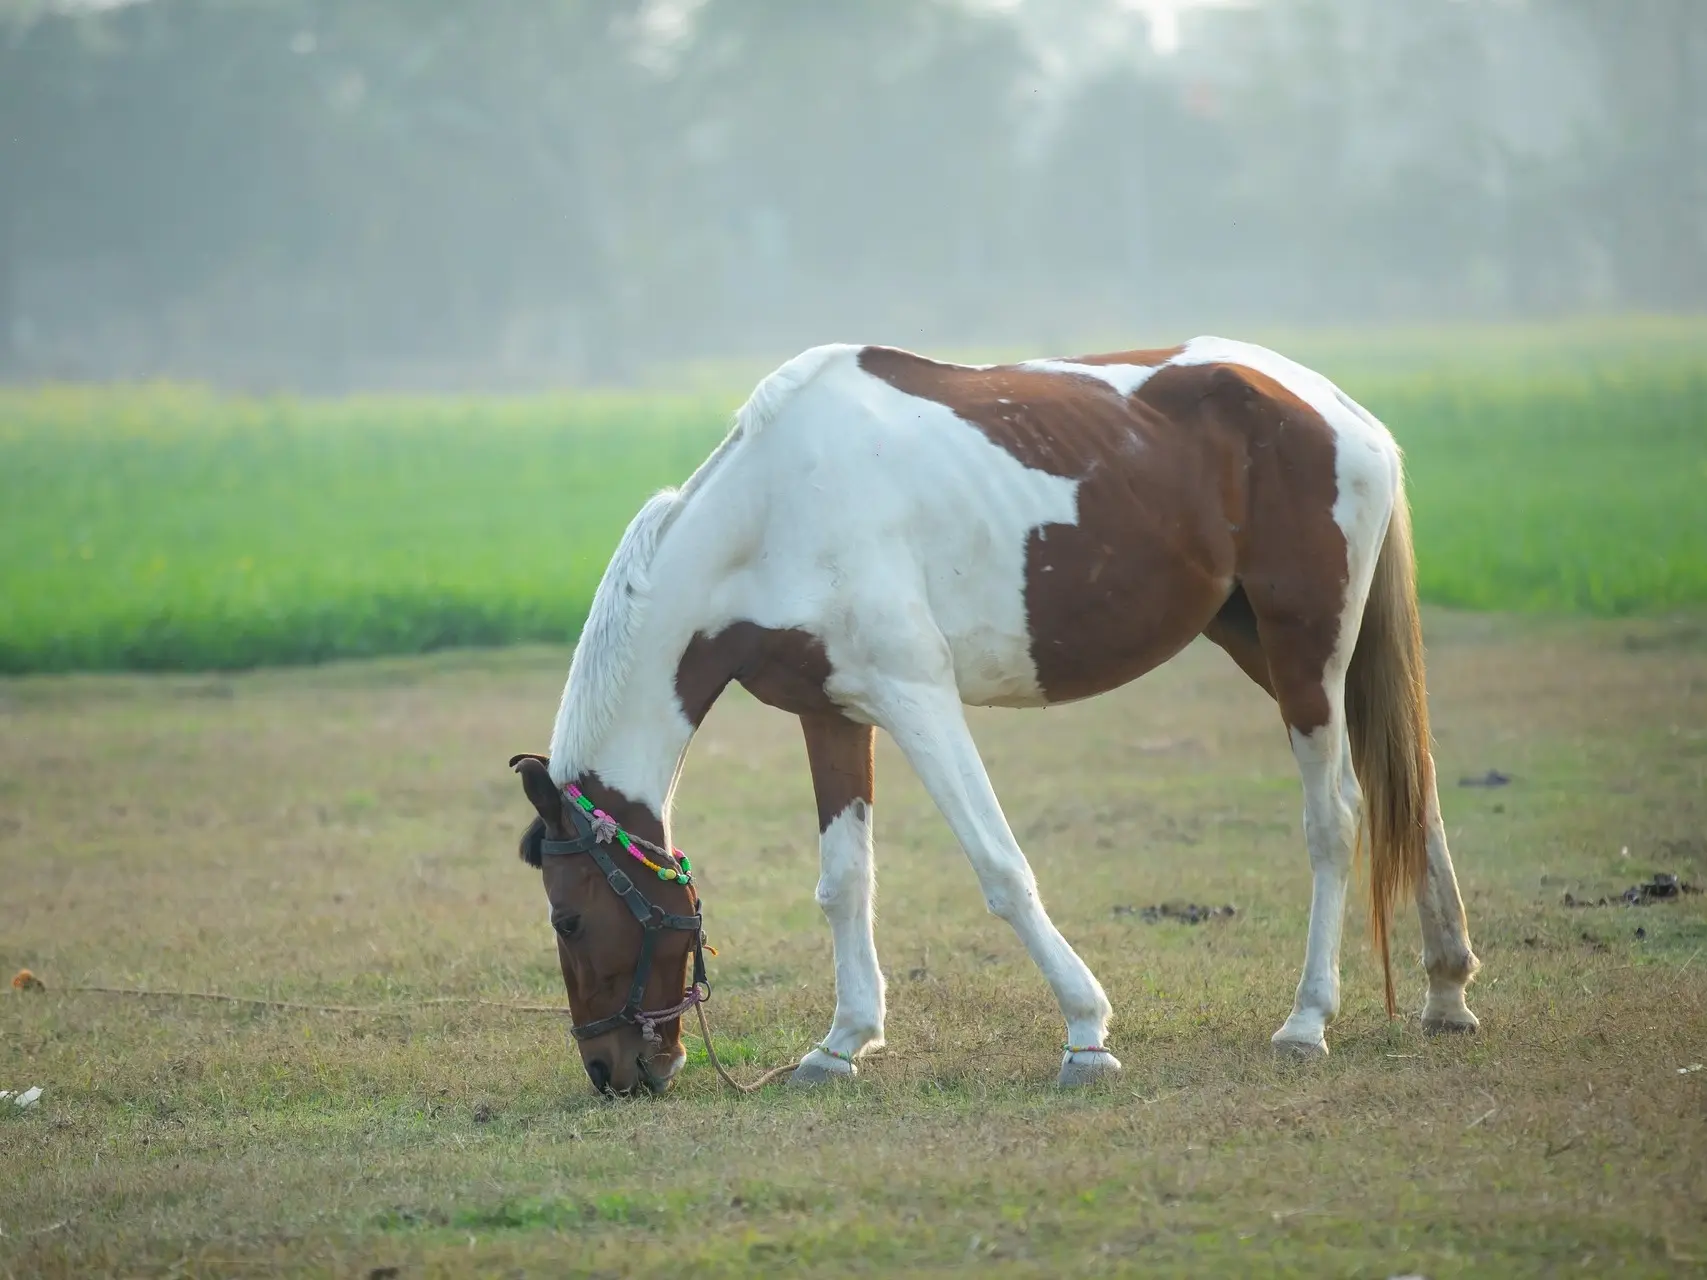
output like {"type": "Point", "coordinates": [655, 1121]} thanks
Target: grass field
{"type": "Point", "coordinates": [345, 834]}
{"type": "Point", "coordinates": [1556, 469]}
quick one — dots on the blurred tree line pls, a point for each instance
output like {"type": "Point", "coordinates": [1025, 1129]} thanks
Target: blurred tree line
{"type": "Point", "coordinates": [331, 193]}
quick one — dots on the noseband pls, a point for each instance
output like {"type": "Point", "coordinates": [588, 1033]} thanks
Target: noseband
{"type": "Point", "coordinates": [592, 838]}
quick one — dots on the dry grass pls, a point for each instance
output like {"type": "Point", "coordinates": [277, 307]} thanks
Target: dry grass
{"type": "Point", "coordinates": [346, 835]}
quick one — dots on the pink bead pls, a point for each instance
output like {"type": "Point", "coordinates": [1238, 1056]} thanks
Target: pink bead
{"type": "Point", "coordinates": [599, 814]}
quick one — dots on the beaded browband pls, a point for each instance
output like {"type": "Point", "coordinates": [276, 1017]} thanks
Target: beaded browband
{"type": "Point", "coordinates": [605, 829]}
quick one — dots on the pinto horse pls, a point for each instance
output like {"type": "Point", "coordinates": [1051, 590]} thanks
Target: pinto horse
{"type": "Point", "coordinates": [883, 539]}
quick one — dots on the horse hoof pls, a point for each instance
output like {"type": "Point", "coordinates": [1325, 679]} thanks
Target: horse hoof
{"type": "Point", "coordinates": [818, 1068]}
{"type": "Point", "coordinates": [1300, 1050]}
{"type": "Point", "coordinates": [1458, 1022]}
{"type": "Point", "coordinates": [1082, 1069]}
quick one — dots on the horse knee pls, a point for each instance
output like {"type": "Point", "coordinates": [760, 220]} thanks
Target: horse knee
{"type": "Point", "coordinates": [843, 885]}
{"type": "Point", "coordinates": [836, 894]}
{"type": "Point", "coordinates": [1009, 892]}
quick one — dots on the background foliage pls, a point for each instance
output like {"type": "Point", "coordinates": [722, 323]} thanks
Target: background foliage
{"type": "Point", "coordinates": [429, 193]}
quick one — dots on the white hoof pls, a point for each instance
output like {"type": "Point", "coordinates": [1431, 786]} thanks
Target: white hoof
{"type": "Point", "coordinates": [1079, 1069]}
{"type": "Point", "coordinates": [818, 1068]}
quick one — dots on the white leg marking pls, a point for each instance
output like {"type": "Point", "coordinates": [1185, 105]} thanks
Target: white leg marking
{"type": "Point", "coordinates": [1446, 939]}
{"type": "Point", "coordinates": [846, 889]}
{"type": "Point", "coordinates": [929, 726]}
{"type": "Point", "coordinates": [1330, 829]}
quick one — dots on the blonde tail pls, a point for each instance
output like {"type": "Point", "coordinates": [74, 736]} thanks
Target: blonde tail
{"type": "Point", "coordinates": [1386, 706]}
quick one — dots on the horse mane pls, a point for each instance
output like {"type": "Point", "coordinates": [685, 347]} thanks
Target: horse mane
{"type": "Point", "coordinates": [529, 848]}
{"type": "Point", "coordinates": [598, 672]}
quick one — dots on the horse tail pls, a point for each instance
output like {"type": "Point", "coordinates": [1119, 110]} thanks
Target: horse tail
{"type": "Point", "coordinates": [1386, 707]}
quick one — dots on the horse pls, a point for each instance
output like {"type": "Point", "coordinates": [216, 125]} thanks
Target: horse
{"type": "Point", "coordinates": [883, 539]}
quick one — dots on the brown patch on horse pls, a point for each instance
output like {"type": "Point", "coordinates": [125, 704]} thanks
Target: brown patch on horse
{"type": "Point", "coordinates": [782, 667]}
{"type": "Point", "coordinates": [1150, 559]}
{"type": "Point", "coordinates": [787, 668]}
{"type": "Point", "coordinates": [843, 770]}
{"type": "Point", "coordinates": [1234, 628]}
{"type": "Point", "coordinates": [1290, 555]}
{"type": "Point", "coordinates": [1206, 477]}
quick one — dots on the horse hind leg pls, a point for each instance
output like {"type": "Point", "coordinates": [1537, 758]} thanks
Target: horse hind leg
{"type": "Point", "coordinates": [840, 754]}
{"type": "Point", "coordinates": [1285, 657]}
{"type": "Point", "coordinates": [1322, 751]}
{"type": "Point", "coordinates": [1447, 957]}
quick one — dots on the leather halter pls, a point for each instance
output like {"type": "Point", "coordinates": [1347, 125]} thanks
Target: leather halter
{"type": "Point", "coordinates": [652, 918]}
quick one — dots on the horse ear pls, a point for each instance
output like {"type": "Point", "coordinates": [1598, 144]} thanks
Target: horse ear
{"type": "Point", "coordinates": [528, 755]}
{"type": "Point", "coordinates": [541, 790]}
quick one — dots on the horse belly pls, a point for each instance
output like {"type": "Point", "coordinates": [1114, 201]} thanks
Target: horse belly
{"type": "Point", "coordinates": [1104, 621]}
{"type": "Point", "coordinates": [1120, 593]}
{"type": "Point", "coordinates": [1049, 590]}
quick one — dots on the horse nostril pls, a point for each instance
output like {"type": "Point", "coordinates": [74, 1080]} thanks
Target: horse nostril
{"type": "Point", "coordinates": [599, 1073]}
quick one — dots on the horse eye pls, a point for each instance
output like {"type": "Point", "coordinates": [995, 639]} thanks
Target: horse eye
{"type": "Point", "coordinates": [565, 924]}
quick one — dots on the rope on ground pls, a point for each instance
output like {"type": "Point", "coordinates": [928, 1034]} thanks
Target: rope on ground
{"type": "Point", "coordinates": [731, 1081]}
{"type": "Point", "coordinates": [27, 981]}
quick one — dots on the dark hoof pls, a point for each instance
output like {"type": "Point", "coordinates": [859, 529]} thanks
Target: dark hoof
{"type": "Point", "coordinates": [817, 1069]}
{"type": "Point", "coordinates": [1458, 1024]}
{"type": "Point", "coordinates": [1301, 1050]}
{"type": "Point", "coordinates": [1083, 1069]}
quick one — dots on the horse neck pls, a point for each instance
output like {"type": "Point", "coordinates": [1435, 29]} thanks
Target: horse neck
{"type": "Point", "coordinates": [632, 770]}
{"type": "Point", "coordinates": [632, 774]}
{"type": "Point", "coordinates": [631, 778]}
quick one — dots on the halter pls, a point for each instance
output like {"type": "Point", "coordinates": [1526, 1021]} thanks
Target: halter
{"type": "Point", "coordinates": [591, 837]}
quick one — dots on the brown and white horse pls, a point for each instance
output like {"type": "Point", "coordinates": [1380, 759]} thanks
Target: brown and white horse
{"type": "Point", "coordinates": [883, 539]}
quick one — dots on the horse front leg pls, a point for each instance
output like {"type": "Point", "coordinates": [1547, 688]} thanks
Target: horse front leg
{"type": "Point", "coordinates": [929, 725]}
{"type": "Point", "coordinates": [840, 753]}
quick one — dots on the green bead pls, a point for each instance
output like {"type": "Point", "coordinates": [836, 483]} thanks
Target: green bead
{"type": "Point", "coordinates": [584, 803]}
{"type": "Point", "coordinates": [664, 873]}
{"type": "Point", "coordinates": [681, 879]}
{"type": "Point", "coordinates": [686, 865]}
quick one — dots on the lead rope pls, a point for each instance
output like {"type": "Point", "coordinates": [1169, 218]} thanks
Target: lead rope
{"type": "Point", "coordinates": [731, 1081]}
{"type": "Point", "coordinates": [27, 981]}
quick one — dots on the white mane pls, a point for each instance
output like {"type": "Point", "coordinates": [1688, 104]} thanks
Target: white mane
{"type": "Point", "coordinates": [599, 668]}
{"type": "Point", "coordinates": [598, 673]}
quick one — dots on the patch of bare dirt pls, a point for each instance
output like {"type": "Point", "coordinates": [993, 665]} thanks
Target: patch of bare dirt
{"type": "Point", "coordinates": [1664, 887]}
{"type": "Point", "coordinates": [1184, 912]}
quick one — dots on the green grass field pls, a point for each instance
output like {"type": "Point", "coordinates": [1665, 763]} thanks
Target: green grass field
{"type": "Point", "coordinates": [1556, 469]}
{"type": "Point", "coordinates": [161, 528]}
